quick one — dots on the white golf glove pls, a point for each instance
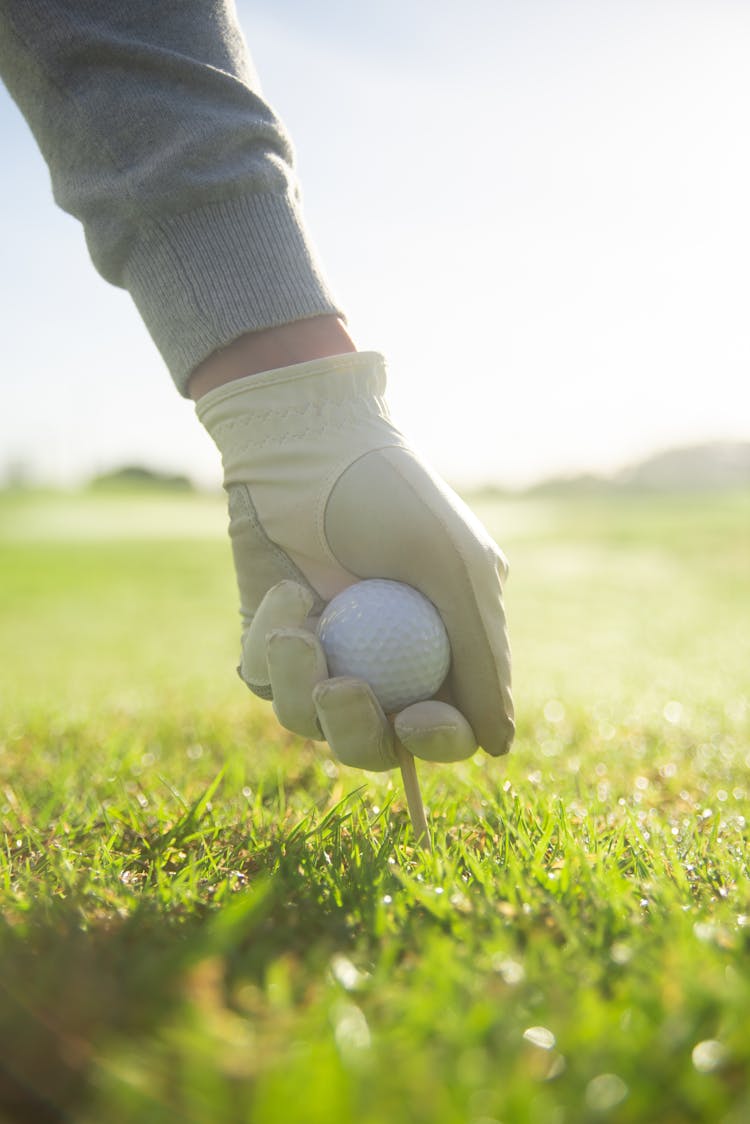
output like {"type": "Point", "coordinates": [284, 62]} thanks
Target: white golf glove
{"type": "Point", "coordinates": [324, 491]}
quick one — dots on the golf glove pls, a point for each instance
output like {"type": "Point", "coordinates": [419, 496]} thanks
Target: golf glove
{"type": "Point", "coordinates": [324, 491]}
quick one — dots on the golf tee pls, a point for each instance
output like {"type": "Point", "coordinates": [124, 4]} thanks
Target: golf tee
{"type": "Point", "coordinates": [414, 797]}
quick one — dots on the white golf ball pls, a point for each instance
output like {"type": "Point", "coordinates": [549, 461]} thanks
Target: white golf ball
{"type": "Point", "coordinates": [391, 636]}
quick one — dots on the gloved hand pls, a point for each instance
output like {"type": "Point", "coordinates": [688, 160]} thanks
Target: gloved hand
{"type": "Point", "coordinates": [324, 491]}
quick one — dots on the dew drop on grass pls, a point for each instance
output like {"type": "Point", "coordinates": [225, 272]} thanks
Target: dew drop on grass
{"type": "Point", "coordinates": [346, 973]}
{"type": "Point", "coordinates": [673, 712]}
{"type": "Point", "coordinates": [554, 711]}
{"type": "Point", "coordinates": [709, 1055]}
{"type": "Point", "coordinates": [511, 971]}
{"type": "Point", "coordinates": [620, 952]}
{"type": "Point", "coordinates": [351, 1031]}
{"type": "Point", "coordinates": [556, 1069]}
{"type": "Point", "coordinates": [605, 1092]}
{"type": "Point", "coordinates": [539, 1036]}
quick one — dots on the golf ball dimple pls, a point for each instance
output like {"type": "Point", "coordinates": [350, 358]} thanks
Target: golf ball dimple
{"type": "Point", "coordinates": [390, 635]}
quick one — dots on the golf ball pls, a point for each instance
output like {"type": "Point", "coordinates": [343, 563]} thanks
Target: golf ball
{"type": "Point", "coordinates": [389, 635]}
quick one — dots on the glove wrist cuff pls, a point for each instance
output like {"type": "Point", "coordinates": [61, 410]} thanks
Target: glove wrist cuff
{"type": "Point", "coordinates": [316, 406]}
{"type": "Point", "coordinates": [317, 380]}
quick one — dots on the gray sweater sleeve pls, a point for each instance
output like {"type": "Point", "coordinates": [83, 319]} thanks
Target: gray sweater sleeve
{"type": "Point", "coordinates": [151, 121]}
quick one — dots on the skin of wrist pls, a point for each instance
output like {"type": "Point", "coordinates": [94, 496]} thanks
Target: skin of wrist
{"type": "Point", "coordinates": [269, 348]}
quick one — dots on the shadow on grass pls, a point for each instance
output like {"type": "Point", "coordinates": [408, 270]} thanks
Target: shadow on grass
{"type": "Point", "coordinates": [72, 983]}
{"type": "Point", "coordinates": [65, 987]}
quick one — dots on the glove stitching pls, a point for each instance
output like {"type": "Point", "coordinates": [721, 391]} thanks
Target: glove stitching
{"type": "Point", "coordinates": [253, 415]}
{"type": "Point", "coordinates": [261, 690]}
{"type": "Point", "coordinates": [326, 416]}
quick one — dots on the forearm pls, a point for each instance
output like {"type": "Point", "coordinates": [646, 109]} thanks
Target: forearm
{"type": "Point", "coordinates": [157, 138]}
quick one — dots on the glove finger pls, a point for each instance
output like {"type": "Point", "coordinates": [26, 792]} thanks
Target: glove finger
{"type": "Point", "coordinates": [354, 724]}
{"type": "Point", "coordinates": [286, 605]}
{"type": "Point", "coordinates": [435, 731]}
{"type": "Point", "coordinates": [296, 663]}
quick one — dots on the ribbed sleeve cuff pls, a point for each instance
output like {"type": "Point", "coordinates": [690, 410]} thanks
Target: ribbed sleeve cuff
{"type": "Point", "coordinates": [201, 279]}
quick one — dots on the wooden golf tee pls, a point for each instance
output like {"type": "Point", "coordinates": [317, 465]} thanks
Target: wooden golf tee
{"type": "Point", "coordinates": [413, 797]}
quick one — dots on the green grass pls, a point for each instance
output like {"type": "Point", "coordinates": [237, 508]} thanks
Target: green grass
{"type": "Point", "coordinates": [207, 920]}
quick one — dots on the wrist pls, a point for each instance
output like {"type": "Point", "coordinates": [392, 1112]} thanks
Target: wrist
{"type": "Point", "coordinates": [268, 349]}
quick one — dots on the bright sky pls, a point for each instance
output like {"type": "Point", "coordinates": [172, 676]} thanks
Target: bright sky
{"type": "Point", "coordinates": [538, 210]}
